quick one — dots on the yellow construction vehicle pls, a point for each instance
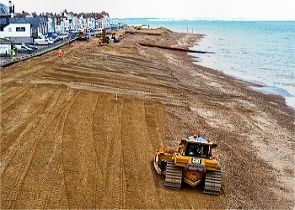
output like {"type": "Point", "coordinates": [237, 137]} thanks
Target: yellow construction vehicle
{"type": "Point", "coordinates": [193, 164]}
{"type": "Point", "coordinates": [83, 35]}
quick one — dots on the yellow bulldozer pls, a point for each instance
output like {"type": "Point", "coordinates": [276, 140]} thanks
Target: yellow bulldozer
{"type": "Point", "coordinates": [193, 164]}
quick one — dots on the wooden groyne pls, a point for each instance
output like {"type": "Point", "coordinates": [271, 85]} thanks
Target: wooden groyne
{"type": "Point", "coordinates": [143, 32]}
{"type": "Point", "coordinates": [174, 48]}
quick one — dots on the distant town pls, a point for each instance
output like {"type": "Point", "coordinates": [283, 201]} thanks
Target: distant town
{"type": "Point", "coordinates": [27, 32]}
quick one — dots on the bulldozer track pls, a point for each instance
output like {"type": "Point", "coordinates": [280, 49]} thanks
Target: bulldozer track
{"type": "Point", "coordinates": [173, 176]}
{"type": "Point", "coordinates": [213, 182]}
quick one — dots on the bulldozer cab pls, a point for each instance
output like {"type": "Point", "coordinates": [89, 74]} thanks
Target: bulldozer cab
{"type": "Point", "coordinates": [197, 150]}
{"type": "Point", "coordinates": [196, 146]}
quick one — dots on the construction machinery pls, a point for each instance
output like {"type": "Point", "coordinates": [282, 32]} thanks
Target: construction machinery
{"type": "Point", "coordinates": [83, 35]}
{"type": "Point", "coordinates": [193, 164]}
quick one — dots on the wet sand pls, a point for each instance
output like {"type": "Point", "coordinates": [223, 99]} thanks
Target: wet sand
{"type": "Point", "coordinates": [81, 131]}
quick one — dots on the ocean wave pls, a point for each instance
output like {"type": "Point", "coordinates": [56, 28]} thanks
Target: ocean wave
{"type": "Point", "coordinates": [274, 90]}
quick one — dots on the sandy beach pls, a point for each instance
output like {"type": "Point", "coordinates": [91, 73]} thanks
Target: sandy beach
{"type": "Point", "coordinates": [80, 131]}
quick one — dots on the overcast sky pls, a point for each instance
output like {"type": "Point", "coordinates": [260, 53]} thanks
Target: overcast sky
{"type": "Point", "coordinates": [216, 9]}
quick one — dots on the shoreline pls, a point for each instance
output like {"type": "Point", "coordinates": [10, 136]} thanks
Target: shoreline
{"type": "Point", "coordinates": [259, 87]}
{"type": "Point", "coordinates": [107, 103]}
{"type": "Point", "coordinates": [256, 85]}
{"type": "Point", "coordinates": [264, 87]}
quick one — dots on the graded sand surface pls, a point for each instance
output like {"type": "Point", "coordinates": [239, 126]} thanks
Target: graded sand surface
{"type": "Point", "coordinates": [80, 131]}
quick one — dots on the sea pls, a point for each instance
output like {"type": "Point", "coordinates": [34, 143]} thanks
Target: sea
{"type": "Point", "coordinates": [262, 52]}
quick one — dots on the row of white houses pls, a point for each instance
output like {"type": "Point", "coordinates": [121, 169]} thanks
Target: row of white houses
{"type": "Point", "coordinates": [70, 22]}
{"type": "Point", "coordinates": [26, 29]}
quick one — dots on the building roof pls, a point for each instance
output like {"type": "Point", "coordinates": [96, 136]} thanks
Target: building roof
{"type": "Point", "coordinates": [4, 10]}
{"type": "Point", "coordinates": [34, 21]}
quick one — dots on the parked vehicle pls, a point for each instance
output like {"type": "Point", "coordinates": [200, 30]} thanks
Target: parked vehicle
{"type": "Point", "coordinates": [63, 36]}
{"type": "Point", "coordinates": [43, 41]}
{"type": "Point", "coordinates": [24, 48]}
{"type": "Point", "coordinates": [98, 32]}
{"type": "Point", "coordinates": [55, 37]}
{"type": "Point", "coordinates": [32, 47]}
{"type": "Point", "coordinates": [5, 50]}
{"type": "Point", "coordinates": [73, 34]}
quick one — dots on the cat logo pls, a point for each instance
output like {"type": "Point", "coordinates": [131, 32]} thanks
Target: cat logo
{"type": "Point", "coordinates": [196, 160]}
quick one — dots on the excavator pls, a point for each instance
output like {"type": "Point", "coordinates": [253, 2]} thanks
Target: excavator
{"type": "Point", "coordinates": [192, 163]}
{"type": "Point", "coordinates": [83, 35]}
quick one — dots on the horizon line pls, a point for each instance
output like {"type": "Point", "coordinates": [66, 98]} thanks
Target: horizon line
{"type": "Point", "coordinates": [204, 18]}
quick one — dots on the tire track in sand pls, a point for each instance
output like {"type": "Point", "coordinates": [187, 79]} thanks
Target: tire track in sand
{"type": "Point", "coordinates": [106, 133]}
{"type": "Point", "coordinates": [137, 152]}
{"type": "Point", "coordinates": [23, 152]}
{"type": "Point", "coordinates": [22, 123]}
{"type": "Point", "coordinates": [38, 180]}
{"type": "Point", "coordinates": [27, 160]}
{"type": "Point", "coordinates": [78, 153]}
{"type": "Point", "coordinates": [53, 184]}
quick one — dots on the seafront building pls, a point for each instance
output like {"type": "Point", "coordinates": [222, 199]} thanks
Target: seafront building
{"type": "Point", "coordinates": [25, 28]}
{"type": "Point", "coordinates": [20, 29]}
